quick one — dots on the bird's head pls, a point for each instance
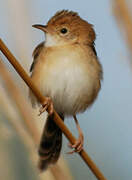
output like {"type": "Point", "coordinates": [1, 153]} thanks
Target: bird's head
{"type": "Point", "coordinates": [66, 27]}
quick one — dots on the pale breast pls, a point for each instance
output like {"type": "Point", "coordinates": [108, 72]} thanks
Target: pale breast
{"type": "Point", "coordinates": [68, 78]}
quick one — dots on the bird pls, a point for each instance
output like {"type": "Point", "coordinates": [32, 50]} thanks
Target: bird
{"type": "Point", "coordinates": [68, 73]}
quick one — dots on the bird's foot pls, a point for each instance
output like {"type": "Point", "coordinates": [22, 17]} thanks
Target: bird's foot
{"type": "Point", "coordinates": [78, 146]}
{"type": "Point", "coordinates": [47, 104]}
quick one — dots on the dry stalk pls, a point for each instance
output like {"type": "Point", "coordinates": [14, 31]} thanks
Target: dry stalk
{"type": "Point", "coordinates": [124, 19]}
{"type": "Point", "coordinates": [57, 119]}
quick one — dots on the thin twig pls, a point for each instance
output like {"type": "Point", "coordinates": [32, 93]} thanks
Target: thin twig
{"type": "Point", "coordinates": [41, 99]}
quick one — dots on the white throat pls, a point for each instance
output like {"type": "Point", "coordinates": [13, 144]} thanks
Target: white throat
{"type": "Point", "coordinates": [50, 40]}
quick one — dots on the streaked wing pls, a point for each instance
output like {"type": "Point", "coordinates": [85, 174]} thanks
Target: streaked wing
{"type": "Point", "coordinates": [36, 53]}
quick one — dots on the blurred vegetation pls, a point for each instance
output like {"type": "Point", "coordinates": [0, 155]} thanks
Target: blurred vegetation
{"type": "Point", "coordinates": [20, 135]}
{"type": "Point", "coordinates": [20, 128]}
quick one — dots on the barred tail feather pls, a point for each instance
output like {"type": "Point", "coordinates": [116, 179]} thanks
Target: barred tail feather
{"type": "Point", "coordinates": [50, 144]}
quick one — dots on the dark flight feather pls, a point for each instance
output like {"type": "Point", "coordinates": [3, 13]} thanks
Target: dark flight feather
{"type": "Point", "coordinates": [36, 53]}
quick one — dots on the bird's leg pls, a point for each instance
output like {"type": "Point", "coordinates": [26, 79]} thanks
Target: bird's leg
{"type": "Point", "coordinates": [79, 142]}
{"type": "Point", "coordinates": [47, 104]}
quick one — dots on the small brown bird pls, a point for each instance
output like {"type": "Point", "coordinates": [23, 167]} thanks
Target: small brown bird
{"type": "Point", "coordinates": [67, 71]}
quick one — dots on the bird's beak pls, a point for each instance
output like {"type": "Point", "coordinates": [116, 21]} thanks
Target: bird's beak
{"type": "Point", "coordinates": [41, 27]}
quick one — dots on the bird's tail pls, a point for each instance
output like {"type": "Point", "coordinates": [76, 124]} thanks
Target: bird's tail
{"type": "Point", "coordinates": [50, 144]}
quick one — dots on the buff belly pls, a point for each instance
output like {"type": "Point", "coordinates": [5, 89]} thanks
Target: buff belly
{"type": "Point", "coordinates": [70, 86]}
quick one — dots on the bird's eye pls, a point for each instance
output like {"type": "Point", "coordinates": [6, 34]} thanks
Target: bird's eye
{"type": "Point", "coordinates": [63, 30]}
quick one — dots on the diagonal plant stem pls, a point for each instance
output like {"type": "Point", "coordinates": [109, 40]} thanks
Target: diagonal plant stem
{"type": "Point", "coordinates": [17, 125]}
{"type": "Point", "coordinates": [41, 99]}
{"type": "Point", "coordinates": [20, 102]}
{"type": "Point", "coordinates": [124, 18]}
